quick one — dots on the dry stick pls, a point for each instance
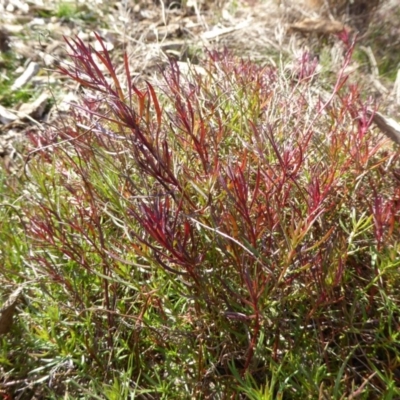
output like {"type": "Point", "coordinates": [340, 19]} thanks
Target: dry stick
{"type": "Point", "coordinates": [360, 389]}
{"type": "Point", "coordinates": [388, 126]}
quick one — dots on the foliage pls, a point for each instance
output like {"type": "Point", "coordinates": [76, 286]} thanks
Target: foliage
{"type": "Point", "coordinates": [225, 233]}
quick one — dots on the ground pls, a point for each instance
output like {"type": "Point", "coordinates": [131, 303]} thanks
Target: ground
{"type": "Point", "coordinates": [32, 45]}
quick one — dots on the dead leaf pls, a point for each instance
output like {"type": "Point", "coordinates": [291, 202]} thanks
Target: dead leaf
{"type": "Point", "coordinates": [186, 67]}
{"type": "Point", "coordinates": [35, 109]}
{"type": "Point", "coordinates": [28, 74]}
{"type": "Point", "coordinates": [7, 311]}
{"type": "Point", "coordinates": [218, 31]}
{"type": "Point", "coordinates": [12, 28]}
{"type": "Point", "coordinates": [319, 25]}
{"type": "Point", "coordinates": [24, 50]}
{"type": "Point", "coordinates": [6, 116]}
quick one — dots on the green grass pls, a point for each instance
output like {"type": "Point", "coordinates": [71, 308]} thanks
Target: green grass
{"type": "Point", "coordinates": [69, 11]}
{"type": "Point", "coordinates": [8, 97]}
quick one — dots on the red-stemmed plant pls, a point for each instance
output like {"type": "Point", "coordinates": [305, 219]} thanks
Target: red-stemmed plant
{"type": "Point", "coordinates": [231, 215]}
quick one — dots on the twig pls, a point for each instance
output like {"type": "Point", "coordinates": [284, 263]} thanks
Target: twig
{"type": "Point", "coordinates": [360, 389]}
